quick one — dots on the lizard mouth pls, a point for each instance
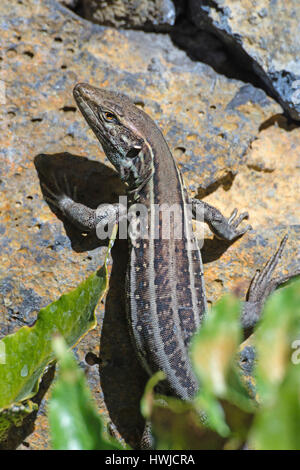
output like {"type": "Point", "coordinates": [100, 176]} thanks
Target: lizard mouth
{"type": "Point", "coordinates": [86, 106]}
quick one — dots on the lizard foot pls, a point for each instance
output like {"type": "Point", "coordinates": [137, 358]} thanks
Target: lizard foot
{"type": "Point", "coordinates": [63, 196]}
{"type": "Point", "coordinates": [227, 229]}
{"type": "Point", "coordinates": [222, 228]}
{"type": "Point", "coordinates": [232, 225]}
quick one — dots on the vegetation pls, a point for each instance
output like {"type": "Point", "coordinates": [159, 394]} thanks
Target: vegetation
{"type": "Point", "coordinates": [231, 410]}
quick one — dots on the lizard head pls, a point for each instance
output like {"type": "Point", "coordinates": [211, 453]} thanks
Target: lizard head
{"type": "Point", "coordinates": [120, 127]}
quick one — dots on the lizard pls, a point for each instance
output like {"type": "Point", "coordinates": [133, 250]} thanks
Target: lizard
{"type": "Point", "coordinates": [165, 288]}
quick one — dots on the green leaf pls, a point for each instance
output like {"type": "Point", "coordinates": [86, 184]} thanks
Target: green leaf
{"type": "Point", "coordinates": [223, 403]}
{"type": "Point", "coordinates": [274, 338]}
{"type": "Point", "coordinates": [214, 351]}
{"type": "Point", "coordinates": [74, 422]}
{"type": "Point", "coordinates": [25, 354]}
{"type": "Point", "coordinates": [148, 397]}
{"type": "Point", "coordinates": [276, 425]}
{"type": "Point", "coordinates": [277, 342]}
{"type": "Point", "coordinates": [29, 350]}
{"type": "Point", "coordinates": [176, 425]}
{"type": "Point", "coordinates": [14, 416]}
{"type": "Point", "coordinates": [214, 346]}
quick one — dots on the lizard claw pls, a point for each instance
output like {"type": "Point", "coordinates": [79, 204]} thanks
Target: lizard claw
{"type": "Point", "coordinates": [223, 228]}
{"type": "Point", "coordinates": [226, 229]}
{"type": "Point", "coordinates": [232, 216]}
{"type": "Point", "coordinates": [234, 222]}
{"type": "Point", "coordinates": [58, 198]}
{"type": "Point", "coordinates": [54, 199]}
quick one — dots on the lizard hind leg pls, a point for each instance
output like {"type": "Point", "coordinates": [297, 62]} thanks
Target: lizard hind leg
{"type": "Point", "coordinates": [261, 286]}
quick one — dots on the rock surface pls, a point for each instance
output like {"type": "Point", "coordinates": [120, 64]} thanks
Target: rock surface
{"type": "Point", "coordinates": [70, 3]}
{"type": "Point", "coordinates": [209, 122]}
{"type": "Point", "coordinates": [265, 36]}
{"type": "Point", "coordinates": [129, 13]}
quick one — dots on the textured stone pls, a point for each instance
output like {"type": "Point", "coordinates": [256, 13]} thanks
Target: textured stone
{"type": "Point", "coordinates": [70, 3]}
{"type": "Point", "coordinates": [265, 36]}
{"type": "Point", "coordinates": [268, 188]}
{"type": "Point", "coordinates": [268, 185]}
{"type": "Point", "coordinates": [209, 122]}
{"type": "Point", "coordinates": [230, 269]}
{"type": "Point", "coordinates": [130, 13]}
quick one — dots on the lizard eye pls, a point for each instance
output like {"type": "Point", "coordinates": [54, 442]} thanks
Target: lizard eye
{"type": "Point", "coordinates": [110, 117]}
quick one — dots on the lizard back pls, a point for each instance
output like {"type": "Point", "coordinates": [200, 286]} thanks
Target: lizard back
{"type": "Point", "coordinates": [165, 288]}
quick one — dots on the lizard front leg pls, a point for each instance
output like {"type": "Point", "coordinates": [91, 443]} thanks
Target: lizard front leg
{"type": "Point", "coordinates": [223, 228]}
{"type": "Point", "coordinates": [83, 217]}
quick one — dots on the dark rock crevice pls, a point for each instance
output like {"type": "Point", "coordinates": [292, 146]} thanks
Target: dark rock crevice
{"type": "Point", "coordinates": [211, 41]}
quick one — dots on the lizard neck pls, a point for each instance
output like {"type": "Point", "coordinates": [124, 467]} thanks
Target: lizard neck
{"type": "Point", "coordinates": [165, 184]}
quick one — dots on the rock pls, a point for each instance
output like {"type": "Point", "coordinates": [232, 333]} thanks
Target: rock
{"type": "Point", "coordinates": [70, 3]}
{"type": "Point", "coordinates": [130, 13]}
{"type": "Point", "coordinates": [264, 35]}
{"type": "Point", "coordinates": [267, 187]}
{"type": "Point", "coordinates": [230, 269]}
{"type": "Point", "coordinates": [209, 122]}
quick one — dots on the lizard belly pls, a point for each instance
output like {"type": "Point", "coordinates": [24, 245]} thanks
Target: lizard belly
{"type": "Point", "coordinates": [165, 297]}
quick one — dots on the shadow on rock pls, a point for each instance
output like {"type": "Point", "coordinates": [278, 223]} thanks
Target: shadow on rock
{"type": "Point", "coordinates": [88, 182]}
{"type": "Point", "coordinates": [213, 249]}
{"type": "Point", "coordinates": [121, 376]}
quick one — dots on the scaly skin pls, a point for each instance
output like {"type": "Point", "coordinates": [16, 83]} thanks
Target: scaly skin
{"type": "Point", "coordinates": [165, 288]}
